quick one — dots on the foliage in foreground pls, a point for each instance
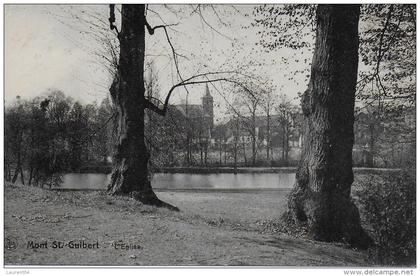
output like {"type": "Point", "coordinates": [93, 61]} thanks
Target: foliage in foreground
{"type": "Point", "coordinates": [389, 207]}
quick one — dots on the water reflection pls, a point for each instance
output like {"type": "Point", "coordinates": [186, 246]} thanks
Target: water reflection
{"type": "Point", "coordinates": [224, 181]}
{"type": "Point", "coordinates": [190, 181]}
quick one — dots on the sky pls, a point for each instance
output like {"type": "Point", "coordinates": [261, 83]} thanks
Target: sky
{"type": "Point", "coordinates": [56, 46]}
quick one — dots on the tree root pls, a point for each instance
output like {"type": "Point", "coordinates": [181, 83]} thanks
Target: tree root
{"type": "Point", "coordinates": [153, 200]}
{"type": "Point", "coordinates": [350, 233]}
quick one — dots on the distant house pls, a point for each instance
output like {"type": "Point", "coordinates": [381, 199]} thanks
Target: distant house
{"type": "Point", "coordinates": [199, 116]}
{"type": "Point", "coordinates": [193, 129]}
{"type": "Point", "coordinates": [245, 130]}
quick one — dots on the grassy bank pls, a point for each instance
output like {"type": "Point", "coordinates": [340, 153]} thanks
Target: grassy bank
{"type": "Point", "coordinates": [211, 229]}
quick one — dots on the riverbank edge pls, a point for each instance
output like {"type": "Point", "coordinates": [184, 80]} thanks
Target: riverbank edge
{"type": "Point", "coordinates": [208, 170]}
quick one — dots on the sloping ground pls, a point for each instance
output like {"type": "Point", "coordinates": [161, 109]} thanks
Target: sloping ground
{"type": "Point", "coordinates": [211, 229]}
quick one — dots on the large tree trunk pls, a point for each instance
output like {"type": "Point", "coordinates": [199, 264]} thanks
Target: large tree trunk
{"type": "Point", "coordinates": [320, 199]}
{"type": "Point", "coordinates": [130, 172]}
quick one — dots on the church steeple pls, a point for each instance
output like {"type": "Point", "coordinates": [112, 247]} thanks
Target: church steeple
{"type": "Point", "coordinates": [207, 101]}
{"type": "Point", "coordinates": [207, 91]}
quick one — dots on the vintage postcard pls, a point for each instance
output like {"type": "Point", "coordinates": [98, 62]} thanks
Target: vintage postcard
{"type": "Point", "coordinates": [210, 135]}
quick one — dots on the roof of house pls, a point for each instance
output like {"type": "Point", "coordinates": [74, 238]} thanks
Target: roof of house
{"type": "Point", "coordinates": [192, 110]}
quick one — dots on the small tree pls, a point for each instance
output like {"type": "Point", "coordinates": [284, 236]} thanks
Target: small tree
{"type": "Point", "coordinates": [250, 102]}
{"type": "Point", "coordinates": [268, 104]}
{"type": "Point", "coordinates": [285, 111]}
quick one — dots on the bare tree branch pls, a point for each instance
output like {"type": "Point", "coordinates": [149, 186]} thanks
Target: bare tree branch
{"type": "Point", "coordinates": [188, 82]}
{"type": "Point", "coordinates": [151, 29]}
{"type": "Point", "coordinates": [380, 54]}
{"type": "Point", "coordinates": [112, 19]}
{"type": "Point", "coordinates": [200, 14]}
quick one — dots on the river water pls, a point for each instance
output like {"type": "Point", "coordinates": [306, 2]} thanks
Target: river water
{"type": "Point", "coordinates": [189, 181]}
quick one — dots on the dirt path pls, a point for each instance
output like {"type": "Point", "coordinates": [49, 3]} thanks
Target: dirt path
{"type": "Point", "coordinates": [213, 229]}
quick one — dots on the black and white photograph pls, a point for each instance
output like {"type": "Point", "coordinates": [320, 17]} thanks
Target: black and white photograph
{"type": "Point", "coordinates": [210, 135]}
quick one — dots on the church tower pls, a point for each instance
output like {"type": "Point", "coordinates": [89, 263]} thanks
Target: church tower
{"type": "Point", "coordinates": [207, 102]}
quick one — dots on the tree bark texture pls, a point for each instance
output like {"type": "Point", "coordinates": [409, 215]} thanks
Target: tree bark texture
{"type": "Point", "coordinates": [321, 199]}
{"type": "Point", "coordinates": [130, 171]}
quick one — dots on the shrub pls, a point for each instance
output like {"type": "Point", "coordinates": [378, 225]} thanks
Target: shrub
{"type": "Point", "coordinates": [388, 204]}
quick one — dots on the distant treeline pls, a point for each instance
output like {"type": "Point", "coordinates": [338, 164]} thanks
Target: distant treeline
{"type": "Point", "coordinates": [52, 134]}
